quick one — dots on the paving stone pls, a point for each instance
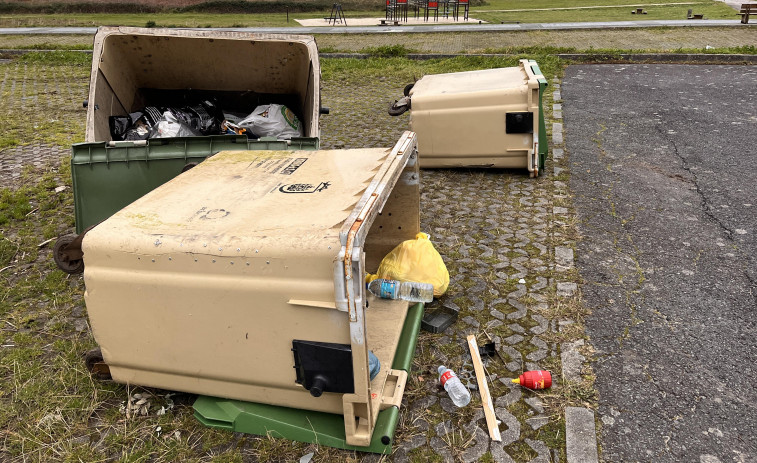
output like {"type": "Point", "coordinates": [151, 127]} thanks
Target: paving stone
{"type": "Point", "coordinates": [559, 210]}
{"type": "Point", "coordinates": [580, 435]}
{"type": "Point", "coordinates": [537, 421]}
{"type": "Point", "coordinates": [542, 450]}
{"type": "Point", "coordinates": [572, 360]}
{"type": "Point", "coordinates": [517, 328]}
{"type": "Point", "coordinates": [558, 153]}
{"type": "Point", "coordinates": [564, 256]}
{"type": "Point", "coordinates": [414, 442]}
{"type": "Point", "coordinates": [535, 403]}
{"type": "Point", "coordinates": [566, 289]}
{"type": "Point", "coordinates": [471, 321]}
{"type": "Point", "coordinates": [556, 95]}
{"type": "Point", "coordinates": [543, 324]}
{"type": "Point", "coordinates": [520, 313]}
{"type": "Point", "coordinates": [443, 428]}
{"type": "Point", "coordinates": [514, 339]}
{"type": "Point", "coordinates": [557, 133]}
{"type": "Point", "coordinates": [440, 447]}
{"type": "Point", "coordinates": [479, 448]}
{"type": "Point", "coordinates": [538, 354]}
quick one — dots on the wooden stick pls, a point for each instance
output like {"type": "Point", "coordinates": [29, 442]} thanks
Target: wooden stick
{"type": "Point", "coordinates": [486, 398]}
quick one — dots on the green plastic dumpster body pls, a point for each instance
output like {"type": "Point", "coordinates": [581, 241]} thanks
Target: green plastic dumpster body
{"type": "Point", "coordinates": [108, 176]}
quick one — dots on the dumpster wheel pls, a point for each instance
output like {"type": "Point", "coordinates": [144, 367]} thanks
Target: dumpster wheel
{"type": "Point", "coordinates": [70, 266]}
{"type": "Point", "coordinates": [408, 87]}
{"type": "Point", "coordinates": [96, 365]}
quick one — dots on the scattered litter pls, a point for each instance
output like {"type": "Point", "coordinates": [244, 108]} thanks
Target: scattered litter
{"type": "Point", "coordinates": [522, 281]}
{"type": "Point", "coordinates": [307, 458]}
{"type": "Point", "coordinates": [158, 430]}
{"type": "Point", "coordinates": [161, 412]}
{"type": "Point", "coordinates": [535, 379]}
{"type": "Point", "coordinates": [415, 260]}
{"type": "Point", "coordinates": [487, 350]}
{"type": "Point", "coordinates": [61, 188]}
{"type": "Point", "coordinates": [45, 242]}
{"type": "Point", "coordinates": [486, 398]}
{"type": "Point", "coordinates": [138, 404]}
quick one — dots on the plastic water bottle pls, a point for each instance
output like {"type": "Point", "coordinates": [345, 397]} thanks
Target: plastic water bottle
{"type": "Point", "coordinates": [457, 392]}
{"type": "Point", "coordinates": [374, 366]}
{"type": "Point", "coordinates": [408, 290]}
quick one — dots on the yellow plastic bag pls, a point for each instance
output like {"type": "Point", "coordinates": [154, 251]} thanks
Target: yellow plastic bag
{"type": "Point", "coordinates": [415, 260]}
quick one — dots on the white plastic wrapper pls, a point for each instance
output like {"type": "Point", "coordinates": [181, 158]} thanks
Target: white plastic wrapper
{"type": "Point", "coordinates": [273, 120]}
{"type": "Point", "coordinates": [168, 127]}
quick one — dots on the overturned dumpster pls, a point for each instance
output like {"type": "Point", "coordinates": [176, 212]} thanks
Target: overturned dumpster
{"type": "Point", "coordinates": [484, 118]}
{"type": "Point", "coordinates": [202, 79]}
{"type": "Point", "coordinates": [243, 280]}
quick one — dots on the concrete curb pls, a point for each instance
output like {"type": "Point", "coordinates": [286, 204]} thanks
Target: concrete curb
{"type": "Point", "coordinates": [583, 57]}
{"type": "Point", "coordinates": [580, 427]}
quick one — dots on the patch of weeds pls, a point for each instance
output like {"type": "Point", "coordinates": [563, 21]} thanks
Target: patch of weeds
{"type": "Point", "coordinates": [520, 451]}
{"type": "Point", "coordinates": [8, 250]}
{"type": "Point", "coordinates": [424, 454]}
{"type": "Point", "coordinates": [387, 51]}
{"type": "Point", "coordinates": [57, 58]}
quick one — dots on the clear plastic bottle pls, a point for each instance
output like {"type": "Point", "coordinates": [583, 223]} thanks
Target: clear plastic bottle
{"type": "Point", "coordinates": [456, 390]}
{"type": "Point", "coordinates": [408, 290]}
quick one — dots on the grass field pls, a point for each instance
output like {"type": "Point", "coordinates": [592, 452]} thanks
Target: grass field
{"type": "Point", "coordinates": [494, 11]}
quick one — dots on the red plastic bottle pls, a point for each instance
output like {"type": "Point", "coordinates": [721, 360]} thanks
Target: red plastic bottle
{"type": "Point", "coordinates": [535, 379]}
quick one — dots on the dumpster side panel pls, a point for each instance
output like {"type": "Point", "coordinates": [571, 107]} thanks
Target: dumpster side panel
{"type": "Point", "coordinates": [473, 135]}
{"type": "Point", "coordinates": [189, 331]}
{"type": "Point", "coordinates": [460, 118]}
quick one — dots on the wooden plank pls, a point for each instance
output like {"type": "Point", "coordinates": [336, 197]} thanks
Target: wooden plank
{"type": "Point", "coordinates": [486, 398]}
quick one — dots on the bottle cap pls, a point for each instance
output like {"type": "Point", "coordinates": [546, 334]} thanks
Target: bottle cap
{"type": "Point", "coordinates": [516, 381]}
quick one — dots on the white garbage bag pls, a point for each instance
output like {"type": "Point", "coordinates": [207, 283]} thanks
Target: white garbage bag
{"type": "Point", "coordinates": [273, 120]}
{"type": "Point", "coordinates": [169, 127]}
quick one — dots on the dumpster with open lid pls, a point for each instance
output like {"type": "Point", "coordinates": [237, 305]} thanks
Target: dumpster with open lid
{"type": "Point", "coordinates": [485, 118]}
{"type": "Point", "coordinates": [137, 67]}
{"type": "Point", "coordinates": [243, 278]}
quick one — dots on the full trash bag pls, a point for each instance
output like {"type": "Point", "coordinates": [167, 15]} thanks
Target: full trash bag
{"type": "Point", "coordinates": [415, 260]}
{"type": "Point", "coordinates": [273, 120]}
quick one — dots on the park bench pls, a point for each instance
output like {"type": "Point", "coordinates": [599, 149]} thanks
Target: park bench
{"type": "Point", "coordinates": [387, 22]}
{"type": "Point", "coordinates": [746, 10]}
{"type": "Point", "coordinates": [639, 11]}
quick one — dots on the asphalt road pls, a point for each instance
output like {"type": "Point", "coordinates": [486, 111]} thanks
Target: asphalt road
{"type": "Point", "coordinates": [664, 172]}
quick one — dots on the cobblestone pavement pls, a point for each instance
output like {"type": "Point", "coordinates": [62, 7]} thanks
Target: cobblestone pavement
{"type": "Point", "coordinates": [503, 237]}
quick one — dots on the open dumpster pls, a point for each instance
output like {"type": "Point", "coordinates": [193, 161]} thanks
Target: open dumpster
{"type": "Point", "coordinates": [243, 278]}
{"type": "Point", "coordinates": [485, 118]}
{"type": "Point", "coordinates": [139, 71]}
